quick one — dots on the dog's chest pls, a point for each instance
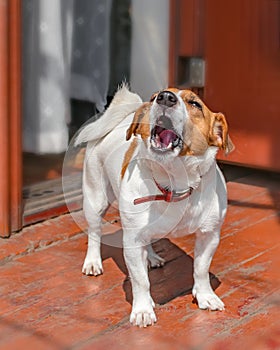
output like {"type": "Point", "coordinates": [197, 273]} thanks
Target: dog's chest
{"type": "Point", "coordinates": [175, 219]}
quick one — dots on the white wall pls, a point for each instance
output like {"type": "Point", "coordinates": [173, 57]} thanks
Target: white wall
{"type": "Point", "coordinates": [150, 42]}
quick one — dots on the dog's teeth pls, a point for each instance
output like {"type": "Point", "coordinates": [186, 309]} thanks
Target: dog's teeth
{"type": "Point", "coordinates": [176, 142]}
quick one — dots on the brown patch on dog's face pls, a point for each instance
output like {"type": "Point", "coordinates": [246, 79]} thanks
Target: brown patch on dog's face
{"type": "Point", "coordinates": [205, 129]}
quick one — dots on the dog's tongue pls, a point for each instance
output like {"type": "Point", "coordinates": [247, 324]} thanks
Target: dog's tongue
{"type": "Point", "coordinates": [167, 136]}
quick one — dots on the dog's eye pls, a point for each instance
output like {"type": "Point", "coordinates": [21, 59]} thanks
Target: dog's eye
{"type": "Point", "coordinates": [195, 104]}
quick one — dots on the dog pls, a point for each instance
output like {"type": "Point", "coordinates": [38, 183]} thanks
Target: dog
{"type": "Point", "coordinates": [157, 159]}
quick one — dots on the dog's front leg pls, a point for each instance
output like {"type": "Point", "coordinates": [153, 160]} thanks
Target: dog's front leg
{"type": "Point", "coordinates": [205, 247]}
{"type": "Point", "coordinates": [142, 314]}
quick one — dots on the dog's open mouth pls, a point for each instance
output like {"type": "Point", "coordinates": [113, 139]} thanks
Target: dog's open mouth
{"type": "Point", "coordinates": [163, 135]}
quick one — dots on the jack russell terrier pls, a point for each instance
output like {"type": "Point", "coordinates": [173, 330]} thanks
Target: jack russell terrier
{"type": "Point", "coordinates": [157, 159]}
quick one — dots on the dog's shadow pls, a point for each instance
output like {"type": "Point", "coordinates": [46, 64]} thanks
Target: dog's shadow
{"type": "Point", "coordinates": [175, 278]}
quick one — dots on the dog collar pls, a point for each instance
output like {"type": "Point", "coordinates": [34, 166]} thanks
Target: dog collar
{"type": "Point", "coordinates": [167, 195]}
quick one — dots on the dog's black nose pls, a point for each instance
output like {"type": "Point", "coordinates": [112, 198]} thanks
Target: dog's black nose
{"type": "Point", "coordinates": [166, 98]}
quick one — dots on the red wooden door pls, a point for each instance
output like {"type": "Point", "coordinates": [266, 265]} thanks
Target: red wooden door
{"type": "Point", "coordinates": [240, 43]}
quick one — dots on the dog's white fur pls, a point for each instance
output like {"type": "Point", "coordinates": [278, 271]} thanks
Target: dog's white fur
{"type": "Point", "coordinates": [203, 212]}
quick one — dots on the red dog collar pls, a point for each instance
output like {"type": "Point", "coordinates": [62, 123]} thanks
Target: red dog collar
{"type": "Point", "coordinates": [167, 196]}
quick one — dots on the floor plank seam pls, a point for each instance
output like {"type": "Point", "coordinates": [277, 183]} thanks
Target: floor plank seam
{"type": "Point", "coordinates": [38, 247]}
{"type": "Point", "coordinates": [230, 226]}
{"type": "Point", "coordinates": [62, 309]}
{"type": "Point", "coordinates": [236, 266]}
{"type": "Point", "coordinates": [124, 324]}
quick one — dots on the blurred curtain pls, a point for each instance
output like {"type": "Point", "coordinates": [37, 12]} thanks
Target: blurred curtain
{"type": "Point", "coordinates": [91, 51]}
{"type": "Point", "coordinates": [120, 44]}
{"type": "Point", "coordinates": [65, 54]}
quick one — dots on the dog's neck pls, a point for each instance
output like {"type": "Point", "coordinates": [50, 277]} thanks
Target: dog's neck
{"type": "Point", "coordinates": [182, 172]}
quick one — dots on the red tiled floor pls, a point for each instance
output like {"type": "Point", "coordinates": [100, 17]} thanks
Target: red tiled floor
{"type": "Point", "coordinates": [46, 303]}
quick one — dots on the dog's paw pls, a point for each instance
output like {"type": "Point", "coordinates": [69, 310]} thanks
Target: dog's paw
{"type": "Point", "coordinates": [91, 267]}
{"type": "Point", "coordinates": [155, 260]}
{"type": "Point", "coordinates": [209, 301]}
{"type": "Point", "coordinates": [143, 317]}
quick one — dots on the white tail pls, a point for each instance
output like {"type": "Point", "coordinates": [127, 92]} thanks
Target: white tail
{"type": "Point", "coordinates": [124, 103]}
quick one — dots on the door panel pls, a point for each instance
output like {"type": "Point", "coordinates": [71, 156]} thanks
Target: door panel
{"type": "Point", "coordinates": [242, 55]}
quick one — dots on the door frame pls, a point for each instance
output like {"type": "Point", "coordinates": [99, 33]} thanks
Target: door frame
{"type": "Point", "coordinates": [11, 208]}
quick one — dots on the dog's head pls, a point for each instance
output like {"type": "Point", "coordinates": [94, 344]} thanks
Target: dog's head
{"type": "Point", "coordinates": [177, 123]}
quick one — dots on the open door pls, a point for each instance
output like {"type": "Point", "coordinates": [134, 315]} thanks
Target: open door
{"type": "Point", "coordinates": [238, 44]}
{"type": "Point", "coordinates": [10, 118]}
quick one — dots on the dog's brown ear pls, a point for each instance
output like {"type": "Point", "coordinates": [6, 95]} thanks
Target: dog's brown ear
{"type": "Point", "coordinates": [229, 145]}
{"type": "Point", "coordinates": [140, 124]}
{"type": "Point", "coordinates": [132, 129]}
{"type": "Point", "coordinates": [218, 134]}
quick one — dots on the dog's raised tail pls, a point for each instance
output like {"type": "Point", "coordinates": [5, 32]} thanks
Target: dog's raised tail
{"type": "Point", "coordinates": [124, 103]}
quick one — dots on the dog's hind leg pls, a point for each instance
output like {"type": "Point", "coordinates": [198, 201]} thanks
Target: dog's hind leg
{"type": "Point", "coordinates": [95, 203]}
{"type": "Point", "coordinates": [154, 260]}
{"type": "Point", "coordinates": [93, 261]}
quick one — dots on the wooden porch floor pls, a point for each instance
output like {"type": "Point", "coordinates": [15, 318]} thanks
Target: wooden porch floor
{"type": "Point", "coordinates": [46, 302]}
